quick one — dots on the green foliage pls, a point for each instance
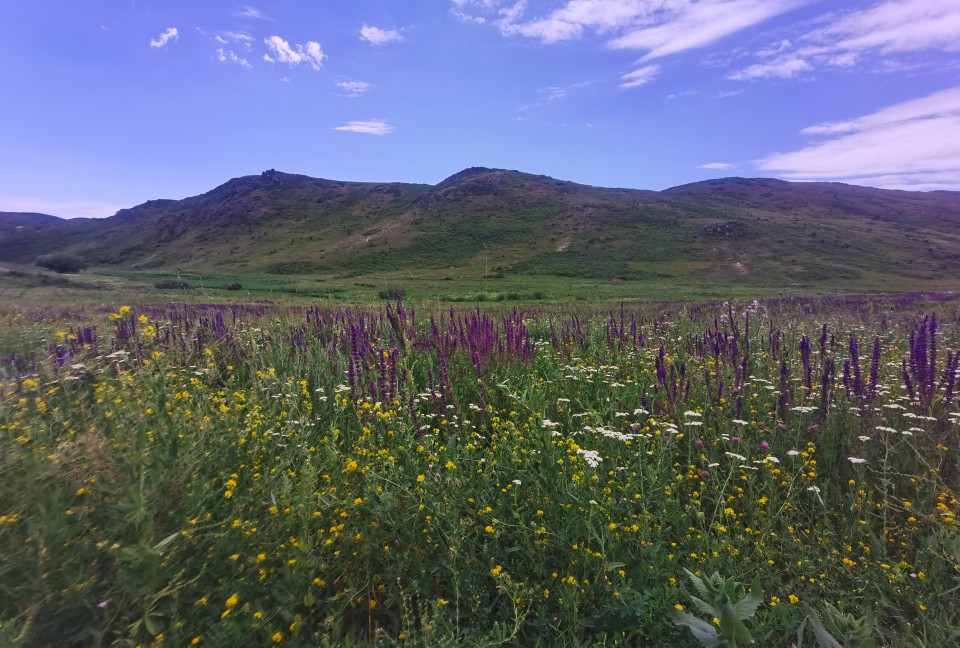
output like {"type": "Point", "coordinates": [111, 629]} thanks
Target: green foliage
{"type": "Point", "coordinates": [172, 284]}
{"type": "Point", "coordinates": [721, 599]}
{"type": "Point", "coordinates": [195, 476]}
{"type": "Point", "coordinates": [62, 263]}
{"type": "Point", "coordinates": [838, 630]}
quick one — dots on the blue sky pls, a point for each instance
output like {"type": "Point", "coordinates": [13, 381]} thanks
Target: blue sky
{"type": "Point", "coordinates": [109, 103]}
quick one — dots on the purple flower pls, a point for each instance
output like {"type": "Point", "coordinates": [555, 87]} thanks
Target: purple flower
{"type": "Point", "coordinates": [698, 443]}
{"type": "Point", "coordinates": [764, 446]}
{"type": "Point", "coordinates": [704, 473]}
{"type": "Point", "coordinates": [735, 439]}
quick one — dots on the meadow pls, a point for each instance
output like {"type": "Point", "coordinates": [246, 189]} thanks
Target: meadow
{"type": "Point", "coordinates": [782, 471]}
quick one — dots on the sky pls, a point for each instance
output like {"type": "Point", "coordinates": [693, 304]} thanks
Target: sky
{"type": "Point", "coordinates": [105, 104]}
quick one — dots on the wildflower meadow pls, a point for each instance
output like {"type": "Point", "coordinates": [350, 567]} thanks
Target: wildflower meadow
{"type": "Point", "coordinates": [782, 472]}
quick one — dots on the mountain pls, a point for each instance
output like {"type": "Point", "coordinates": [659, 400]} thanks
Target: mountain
{"type": "Point", "coordinates": [495, 223]}
{"type": "Point", "coordinates": [13, 220]}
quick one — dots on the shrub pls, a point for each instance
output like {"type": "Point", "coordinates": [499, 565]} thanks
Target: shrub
{"type": "Point", "coordinates": [172, 284]}
{"type": "Point", "coordinates": [62, 263]}
{"type": "Point", "coordinates": [234, 286]}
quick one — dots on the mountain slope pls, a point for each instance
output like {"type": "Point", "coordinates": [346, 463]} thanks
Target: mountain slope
{"type": "Point", "coordinates": [496, 223]}
{"type": "Point", "coordinates": [12, 220]}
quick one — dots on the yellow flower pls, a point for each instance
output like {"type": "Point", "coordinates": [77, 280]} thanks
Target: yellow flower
{"type": "Point", "coordinates": [421, 479]}
{"type": "Point", "coordinates": [496, 571]}
{"type": "Point", "coordinates": [794, 599]}
{"type": "Point", "coordinates": [774, 600]}
{"type": "Point", "coordinates": [450, 465]}
{"type": "Point", "coordinates": [232, 601]}
{"type": "Point", "coordinates": [679, 607]}
{"type": "Point", "coordinates": [277, 637]}
{"type": "Point", "coordinates": [358, 501]}
{"type": "Point", "coordinates": [488, 529]}
{"type": "Point", "coordinates": [196, 640]}
{"type": "Point", "coordinates": [124, 310]}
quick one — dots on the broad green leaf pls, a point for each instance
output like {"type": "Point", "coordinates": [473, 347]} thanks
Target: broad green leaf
{"type": "Point", "coordinates": [747, 606]}
{"type": "Point", "coordinates": [704, 632]}
{"type": "Point", "coordinates": [698, 584]}
{"type": "Point", "coordinates": [824, 638]}
{"type": "Point", "coordinates": [705, 607]}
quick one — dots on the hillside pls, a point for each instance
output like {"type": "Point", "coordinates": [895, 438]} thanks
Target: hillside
{"type": "Point", "coordinates": [12, 220]}
{"type": "Point", "coordinates": [491, 224]}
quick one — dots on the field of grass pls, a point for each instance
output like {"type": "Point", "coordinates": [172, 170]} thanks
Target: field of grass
{"type": "Point", "coordinates": [305, 473]}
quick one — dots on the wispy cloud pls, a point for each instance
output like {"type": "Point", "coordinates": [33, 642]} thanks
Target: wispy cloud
{"type": "Point", "coordinates": [372, 127]}
{"type": "Point", "coordinates": [379, 36]}
{"type": "Point", "coordinates": [61, 208]}
{"type": "Point", "coordinates": [639, 76]}
{"type": "Point", "coordinates": [861, 37]}
{"type": "Point", "coordinates": [914, 144]}
{"type": "Point", "coordinates": [657, 27]}
{"type": "Point", "coordinates": [167, 36]}
{"type": "Point", "coordinates": [717, 166]}
{"type": "Point", "coordinates": [228, 56]}
{"type": "Point", "coordinates": [282, 52]}
{"type": "Point", "coordinates": [235, 37]}
{"type": "Point", "coordinates": [353, 88]}
{"type": "Point", "coordinates": [250, 12]}
{"type": "Point", "coordinates": [784, 68]}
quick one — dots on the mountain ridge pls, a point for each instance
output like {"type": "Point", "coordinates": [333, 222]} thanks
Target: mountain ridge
{"type": "Point", "coordinates": [502, 223]}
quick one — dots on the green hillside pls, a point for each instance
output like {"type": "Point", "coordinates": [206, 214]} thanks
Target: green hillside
{"type": "Point", "coordinates": [509, 233]}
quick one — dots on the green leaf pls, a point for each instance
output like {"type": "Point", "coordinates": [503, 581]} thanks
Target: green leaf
{"type": "Point", "coordinates": [615, 565]}
{"type": "Point", "coordinates": [705, 607]}
{"type": "Point", "coordinates": [698, 584]}
{"type": "Point", "coordinates": [704, 632]}
{"type": "Point", "coordinates": [731, 627]}
{"type": "Point", "coordinates": [824, 638]}
{"type": "Point", "coordinates": [163, 544]}
{"type": "Point", "coordinates": [747, 606]}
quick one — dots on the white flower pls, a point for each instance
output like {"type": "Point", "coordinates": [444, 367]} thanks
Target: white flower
{"type": "Point", "coordinates": [793, 453]}
{"type": "Point", "coordinates": [856, 460]}
{"type": "Point", "coordinates": [516, 482]}
{"type": "Point", "coordinates": [592, 457]}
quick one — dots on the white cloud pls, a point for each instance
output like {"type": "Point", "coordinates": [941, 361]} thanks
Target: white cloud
{"type": "Point", "coordinates": [353, 88]}
{"type": "Point", "coordinates": [680, 26]}
{"type": "Point", "coordinates": [784, 68]}
{"type": "Point", "coordinates": [881, 32]}
{"type": "Point", "coordinates": [225, 56]}
{"type": "Point", "coordinates": [717, 166]}
{"type": "Point", "coordinates": [61, 208]}
{"type": "Point", "coordinates": [639, 76]}
{"type": "Point", "coordinates": [283, 52]}
{"type": "Point", "coordinates": [914, 144]}
{"type": "Point", "coordinates": [379, 36]}
{"type": "Point", "coordinates": [658, 27]}
{"type": "Point", "coordinates": [170, 34]}
{"type": "Point", "coordinates": [250, 12]}
{"type": "Point", "coordinates": [372, 127]}
{"type": "Point", "coordinates": [236, 37]}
